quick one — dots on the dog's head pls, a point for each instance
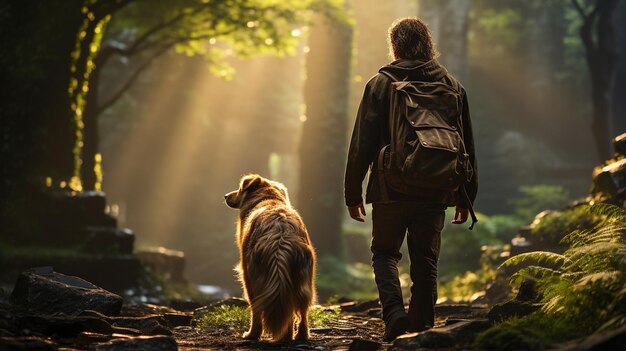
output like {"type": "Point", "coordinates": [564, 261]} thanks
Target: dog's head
{"type": "Point", "coordinates": [252, 189]}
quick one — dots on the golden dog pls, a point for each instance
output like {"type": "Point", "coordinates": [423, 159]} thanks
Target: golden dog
{"type": "Point", "coordinates": [277, 260]}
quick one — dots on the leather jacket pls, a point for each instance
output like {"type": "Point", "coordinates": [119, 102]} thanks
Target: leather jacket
{"type": "Point", "coordinates": [371, 134]}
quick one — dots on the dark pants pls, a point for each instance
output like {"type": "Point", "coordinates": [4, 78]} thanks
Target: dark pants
{"type": "Point", "coordinates": [424, 223]}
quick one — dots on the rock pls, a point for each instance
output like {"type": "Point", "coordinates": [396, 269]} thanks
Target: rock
{"type": "Point", "coordinates": [117, 330]}
{"type": "Point", "coordinates": [611, 340]}
{"type": "Point", "coordinates": [167, 263]}
{"type": "Point", "coordinates": [177, 319]}
{"type": "Point", "coordinates": [460, 333]}
{"type": "Point", "coordinates": [343, 299]}
{"type": "Point", "coordinates": [152, 343]}
{"type": "Point", "coordinates": [320, 330]}
{"type": "Point", "coordinates": [88, 338]}
{"type": "Point", "coordinates": [363, 306]}
{"type": "Point", "coordinates": [108, 240]}
{"type": "Point", "coordinates": [609, 183]}
{"type": "Point", "coordinates": [619, 144]}
{"type": "Point", "coordinates": [44, 291]}
{"type": "Point", "coordinates": [498, 291]}
{"type": "Point", "coordinates": [348, 306]}
{"type": "Point", "coordinates": [26, 343]}
{"type": "Point", "coordinates": [375, 312]}
{"type": "Point", "coordinates": [233, 301]}
{"type": "Point", "coordinates": [150, 325]}
{"type": "Point", "coordinates": [63, 326]}
{"type": "Point", "coordinates": [145, 309]}
{"type": "Point", "coordinates": [185, 304]}
{"type": "Point", "coordinates": [452, 309]}
{"type": "Point", "coordinates": [7, 321]}
{"type": "Point", "coordinates": [527, 291]}
{"type": "Point", "coordinates": [364, 345]}
{"type": "Point", "coordinates": [71, 210]}
{"type": "Point", "coordinates": [512, 308]}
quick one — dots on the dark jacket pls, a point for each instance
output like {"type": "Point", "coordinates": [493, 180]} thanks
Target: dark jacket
{"type": "Point", "coordinates": [371, 133]}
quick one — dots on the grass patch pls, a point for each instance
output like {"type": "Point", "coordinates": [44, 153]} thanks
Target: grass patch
{"type": "Point", "coordinates": [226, 317]}
{"type": "Point", "coordinates": [237, 318]}
{"type": "Point", "coordinates": [320, 317]}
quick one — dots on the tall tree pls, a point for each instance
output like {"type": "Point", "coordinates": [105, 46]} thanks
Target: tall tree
{"type": "Point", "coordinates": [36, 134]}
{"type": "Point", "coordinates": [323, 145]}
{"type": "Point", "coordinates": [448, 20]}
{"type": "Point", "coordinates": [598, 36]}
{"type": "Point", "coordinates": [144, 30]}
{"type": "Point", "coordinates": [619, 90]}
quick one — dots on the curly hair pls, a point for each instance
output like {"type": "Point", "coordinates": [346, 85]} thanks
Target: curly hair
{"type": "Point", "coordinates": [410, 38]}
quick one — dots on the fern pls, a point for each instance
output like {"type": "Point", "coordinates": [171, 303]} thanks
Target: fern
{"type": "Point", "coordinates": [583, 290]}
{"type": "Point", "coordinates": [606, 279]}
{"type": "Point", "coordinates": [534, 273]}
{"type": "Point", "coordinates": [538, 257]}
{"type": "Point", "coordinates": [609, 211]}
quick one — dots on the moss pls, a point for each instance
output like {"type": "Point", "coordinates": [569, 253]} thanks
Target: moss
{"type": "Point", "coordinates": [551, 229]}
{"type": "Point", "coordinates": [237, 318]}
{"type": "Point", "coordinates": [509, 336]}
{"type": "Point", "coordinates": [225, 317]}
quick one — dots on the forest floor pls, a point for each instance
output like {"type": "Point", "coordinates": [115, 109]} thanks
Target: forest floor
{"type": "Point", "coordinates": [354, 330]}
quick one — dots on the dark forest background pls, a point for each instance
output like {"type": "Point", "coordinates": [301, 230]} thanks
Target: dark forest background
{"type": "Point", "coordinates": [170, 103]}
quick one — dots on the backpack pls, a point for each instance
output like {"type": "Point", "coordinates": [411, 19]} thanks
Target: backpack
{"type": "Point", "coordinates": [426, 149]}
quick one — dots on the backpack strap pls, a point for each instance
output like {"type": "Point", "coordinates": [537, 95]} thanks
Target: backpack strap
{"type": "Point", "coordinates": [471, 208]}
{"type": "Point", "coordinates": [391, 76]}
{"type": "Point", "coordinates": [380, 168]}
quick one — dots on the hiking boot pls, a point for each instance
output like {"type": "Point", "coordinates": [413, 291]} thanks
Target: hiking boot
{"type": "Point", "coordinates": [396, 327]}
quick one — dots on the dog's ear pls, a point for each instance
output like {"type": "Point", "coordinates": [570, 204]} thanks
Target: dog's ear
{"type": "Point", "coordinates": [250, 182]}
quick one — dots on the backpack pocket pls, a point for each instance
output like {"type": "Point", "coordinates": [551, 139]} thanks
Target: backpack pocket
{"type": "Point", "coordinates": [434, 160]}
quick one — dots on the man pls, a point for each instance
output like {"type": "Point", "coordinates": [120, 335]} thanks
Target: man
{"type": "Point", "coordinates": [422, 212]}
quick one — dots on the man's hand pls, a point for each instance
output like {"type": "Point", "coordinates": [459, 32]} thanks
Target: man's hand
{"type": "Point", "coordinates": [356, 211]}
{"type": "Point", "coordinates": [460, 216]}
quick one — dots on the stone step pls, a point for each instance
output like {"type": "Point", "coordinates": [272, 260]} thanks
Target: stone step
{"type": "Point", "coordinates": [108, 240]}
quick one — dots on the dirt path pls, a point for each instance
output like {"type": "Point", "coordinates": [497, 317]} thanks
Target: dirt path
{"type": "Point", "coordinates": [359, 330]}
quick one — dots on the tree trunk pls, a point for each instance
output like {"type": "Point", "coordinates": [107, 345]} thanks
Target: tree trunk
{"type": "Point", "coordinates": [323, 144]}
{"type": "Point", "coordinates": [598, 36]}
{"type": "Point", "coordinates": [448, 20]}
{"type": "Point", "coordinates": [90, 132]}
{"type": "Point", "coordinates": [618, 110]}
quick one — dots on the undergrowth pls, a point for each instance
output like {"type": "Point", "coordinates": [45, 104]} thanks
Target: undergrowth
{"type": "Point", "coordinates": [338, 277]}
{"type": "Point", "coordinates": [583, 290]}
{"type": "Point", "coordinates": [551, 228]}
{"type": "Point", "coordinates": [237, 318]}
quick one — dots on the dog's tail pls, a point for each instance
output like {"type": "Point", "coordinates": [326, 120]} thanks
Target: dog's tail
{"type": "Point", "coordinates": [288, 285]}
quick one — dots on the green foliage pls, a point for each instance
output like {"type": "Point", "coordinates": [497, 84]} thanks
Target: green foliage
{"type": "Point", "coordinates": [582, 290]}
{"type": "Point", "coordinates": [236, 318]}
{"type": "Point", "coordinates": [503, 227]}
{"type": "Point", "coordinates": [528, 333]}
{"type": "Point", "coordinates": [552, 227]}
{"type": "Point", "coordinates": [218, 29]}
{"type": "Point", "coordinates": [323, 317]}
{"type": "Point", "coordinates": [537, 198]}
{"type": "Point", "coordinates": [466, 287]}
{"type": "Point", "coordinates": [338, 277]}
{"type": "Point", "coordinates": [461, 248]}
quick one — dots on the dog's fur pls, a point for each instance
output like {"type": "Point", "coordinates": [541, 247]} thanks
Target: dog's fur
{"type": "Point", "coordinates": [277, 260]}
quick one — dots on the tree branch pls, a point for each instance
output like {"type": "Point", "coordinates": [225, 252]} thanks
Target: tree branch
{"type": "Point", "coordinates": [136, 45]}
{"type": "Point", "coordinates": [118, 94]}
{"type": "Point", "coordinates": [579, 8]}
{"type": "Point", "coordinates": [147, 63]}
